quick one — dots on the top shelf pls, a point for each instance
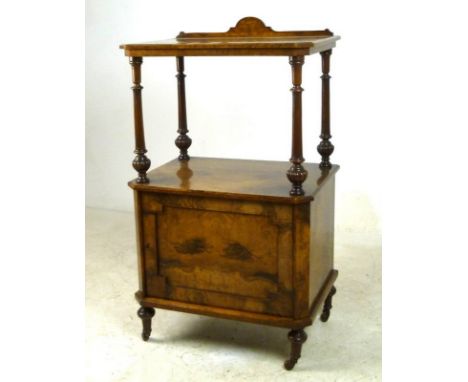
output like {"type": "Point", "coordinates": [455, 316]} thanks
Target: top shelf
{"type": "Point", "coordinates": [250, 37]}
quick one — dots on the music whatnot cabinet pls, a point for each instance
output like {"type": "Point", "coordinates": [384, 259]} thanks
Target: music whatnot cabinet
{"type": "Point", "coordinates": [234, 238]}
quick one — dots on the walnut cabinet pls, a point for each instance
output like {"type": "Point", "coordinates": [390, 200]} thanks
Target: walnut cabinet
{"type": "Point", "coordinates": [249, 240]}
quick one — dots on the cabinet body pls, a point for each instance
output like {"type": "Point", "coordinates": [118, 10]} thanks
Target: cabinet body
{"type": "Point", "coordinates": [247, 258]}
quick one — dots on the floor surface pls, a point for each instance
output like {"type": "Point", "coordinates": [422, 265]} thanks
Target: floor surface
{"type": "Point", "coordinates": [187, 347]}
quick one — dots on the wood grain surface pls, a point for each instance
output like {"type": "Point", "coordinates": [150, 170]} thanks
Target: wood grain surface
{"type": "Point", "coordinates": [250, 37]}
{"type": "Point", "coordinates": [234, 178]}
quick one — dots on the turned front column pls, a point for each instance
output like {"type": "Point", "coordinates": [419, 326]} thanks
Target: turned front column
{"type": "Point", "coordinates": [141, 163]}
{"type": "Point", "coordinates": [325, 147]}
{"type": "Point", "coordinates": [296, 173]}
{"type": "Point", "coordinates": [183, 141]}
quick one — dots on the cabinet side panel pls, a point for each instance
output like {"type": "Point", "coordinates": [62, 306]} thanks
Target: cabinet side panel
{"type": "Point", "coordinates": [139, 241]}
{"type": "Point", "coordinates": [322, 214]}
{"type": "Point", "coordinates": [301, 260]}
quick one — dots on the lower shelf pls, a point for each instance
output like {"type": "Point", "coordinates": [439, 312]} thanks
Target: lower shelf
{"type": "Point", "coordinates": [234, 179]}
{"type": "Point", "coordinates": [258, 318]}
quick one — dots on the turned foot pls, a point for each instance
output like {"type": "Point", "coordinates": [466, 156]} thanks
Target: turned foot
{"type": "Point", "coordinates": [297, 338]}
{"type": "Point", "coordinates": [327, 305]}
{"type": "Point", "coordinates": [146, 314]}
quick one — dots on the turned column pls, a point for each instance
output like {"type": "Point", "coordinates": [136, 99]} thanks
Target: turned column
{"type": "Point", "coordinates": [325, 147]}
{"type": "Point", "coordinates": [141, 163]}
{"type": "Point", "coordinates": [296, 173]}
{"type": "Point", "coordinates": [183, 141]}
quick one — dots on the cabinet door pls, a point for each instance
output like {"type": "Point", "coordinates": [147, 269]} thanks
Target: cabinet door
{"type": "Point", "coordinates": [232, 254]}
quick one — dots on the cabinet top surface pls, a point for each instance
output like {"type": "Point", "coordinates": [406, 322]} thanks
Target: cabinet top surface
{"type": "Point", "coordinates": [250, 37]}
{"type": "Point", "coordinates": [233, 178]}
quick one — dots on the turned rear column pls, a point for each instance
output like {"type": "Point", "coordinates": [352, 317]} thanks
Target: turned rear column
{"type": "Point", "coordinates": [183, 141]}
{"type": "Point", "coordinates": [296, 173]}
{"type": "Point", "coordinates": [141, 163]}
{"type": "Point", "coordinates": [325, 147]}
